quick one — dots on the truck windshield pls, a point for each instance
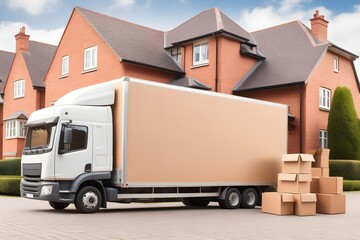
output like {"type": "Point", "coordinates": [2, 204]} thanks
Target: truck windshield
{"type": "Point", "coordinates": [39, 139]}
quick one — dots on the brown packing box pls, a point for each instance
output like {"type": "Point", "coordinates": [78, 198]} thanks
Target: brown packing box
{"type": "Point", "coordinates": [297, 163]}
{"type": "Point", "coordinates": [320, 172]}
{"type": "Point", "coordinates": [293, 183]}
{"type": "Point", "coordinates": [331, 203]}
{"type": "Point", "coordinates": [305, 204]}
{"type": "Point", "coordinates": [331, 185]}
{"type": "Point", "coordinates": [322, 158]}
{"type": "Point", "coordinates": [278, 203]}
{"type": "Point", "coordinates": [314, 185]}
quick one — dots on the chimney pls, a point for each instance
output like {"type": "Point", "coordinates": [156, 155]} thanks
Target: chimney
{"type": "Point", "coordinates": [319, 27]}
{"type": "Point", "coordinates": [22, 40]}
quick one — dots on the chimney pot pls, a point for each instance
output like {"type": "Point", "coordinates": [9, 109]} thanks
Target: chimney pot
{"type": "Point", "coordinates": [319, 27]}
{"type": "Point", "coordinates": [22, 40]}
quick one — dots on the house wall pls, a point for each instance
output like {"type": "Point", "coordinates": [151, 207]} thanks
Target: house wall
{"type": "Point", "coordinates": [325, 76]}
{"type": "Point", "coordinates": [291, 97]}
{"type": "Point", "coordinates": [78, 36]}
{"type": "Point", "coordinates": [27, 104]}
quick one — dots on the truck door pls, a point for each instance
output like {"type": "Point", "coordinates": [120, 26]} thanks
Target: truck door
{"type": "Point", "coordinates": [74, 155]}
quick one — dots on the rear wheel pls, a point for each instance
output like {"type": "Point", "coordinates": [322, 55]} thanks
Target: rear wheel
{"type": "Point", "coordinates": [249, 198]}
{"type": "Point", "coordinates": [196, 202]}
{"type": "Point", "coordinates": [58, 205]}
{"type": "Point", "coordinates": [232, 199]}
{"type": "Point", "coordinates": [88, 200]}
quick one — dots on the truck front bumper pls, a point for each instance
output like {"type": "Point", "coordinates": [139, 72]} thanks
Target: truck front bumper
{"type": "Point", "coordinates": [47, 191]}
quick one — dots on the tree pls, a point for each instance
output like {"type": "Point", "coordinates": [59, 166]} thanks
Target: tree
{"type": "Point", "coordinates": [343, 126]}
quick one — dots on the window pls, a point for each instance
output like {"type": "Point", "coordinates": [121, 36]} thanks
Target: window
{"type": "Point", "coordinates": [201, 53]}
{"type": "Point", "coordinates": [65, 65]}
{"type": "Point", "coordinates": [15, 129]}
{"type": "Point", "coordinates": [73, 138]}
{"type": "Point", "coordinates": [324, 98]}
{"type": "Point", "coordinates": [323, 139]}
{"type": "Point", "coordinates": [176, 54]}
{"type": "Point", "coordinates": [336, 64]}
{"type": "Point", "coordinates": [90, 58]}
{"type": "Point", "coordinates": [19, 89]}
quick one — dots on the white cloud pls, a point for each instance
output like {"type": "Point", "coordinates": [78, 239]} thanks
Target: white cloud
{"type": "Point", "coordinates": [9, 29]}
{"type": "Point", "coordinates": [33, 7]}
{"type": "Point", "coordinates": [343, 29]}
{"type": "Point", "coordinates": [124, 3]}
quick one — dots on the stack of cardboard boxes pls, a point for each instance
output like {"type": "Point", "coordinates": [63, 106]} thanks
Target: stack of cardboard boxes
{"type": "Point", "coordinates": [329, 190]}
{"type": "Point", "coordinates": [305, 188]}
{"type": "Point", "coordinates": [293, 193]}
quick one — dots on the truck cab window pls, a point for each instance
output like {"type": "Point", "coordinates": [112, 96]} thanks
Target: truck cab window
{"type": "Point", "coordinates": [73, 138]}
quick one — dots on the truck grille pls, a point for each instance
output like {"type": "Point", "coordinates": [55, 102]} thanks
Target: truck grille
{"type": "Point", "coordinates": [31, 178]}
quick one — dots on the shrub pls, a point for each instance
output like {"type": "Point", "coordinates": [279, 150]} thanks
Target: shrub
{"type": "Point", "coordinates": [343, 126]}
{"type": "Point", "coordinates": [349, 169]}
{"type": "Point", "coordinates": [10, 167]}
{"type": "Point", "coordinates": [351, 185]}
{"type": "Point", "coordinates": [10, 185]}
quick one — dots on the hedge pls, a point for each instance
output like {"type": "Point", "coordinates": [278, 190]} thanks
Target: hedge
{"type": "Point", "coordinates": [10, 185]}
{"type": "Point", "coordinates": [349, 169]}
{"type": "Point", "coordinates": [10, 167]}
{"type": "Point", "coordinates": [351, 185]}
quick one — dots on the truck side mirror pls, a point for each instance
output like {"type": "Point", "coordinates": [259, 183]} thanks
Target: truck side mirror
{"type": "Point", "coordinates": [67, 140]}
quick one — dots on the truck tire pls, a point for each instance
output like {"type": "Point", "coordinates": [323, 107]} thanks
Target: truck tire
{"type": "Point", "coordinates": [88, 200]}
{"type": "Point", "coordinates": [58, 205]}
{"type": "Point", "coordinates": [232, 199]}
{"type": "Point", "coordinates": [249, 198]}
{"type": "Point", "coordinates": [195, 202]}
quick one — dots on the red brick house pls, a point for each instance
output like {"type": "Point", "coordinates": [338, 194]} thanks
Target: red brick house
{"type": "Point", "coordinates": [24, 90]}
{"type": "Point", "coordinates": [302, 69]}
{"type": "Point", "coordinates": [6, 59]}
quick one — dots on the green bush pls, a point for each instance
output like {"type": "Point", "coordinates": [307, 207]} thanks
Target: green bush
{"type": "Point", "coordinates": [10, 185]}
{"type": "Point", "coordinates": [343, 126]}
{"type": "Point", "coordinates": [351, 185]}
{"type": "Point", "coordinates": [10, 167]}
{"type": "Point", "coordinates": [349, 169]}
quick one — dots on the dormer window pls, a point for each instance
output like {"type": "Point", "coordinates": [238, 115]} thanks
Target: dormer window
{"type": "Point", "coordinates": [336, 64]}
{"type": "Point", "coordinates": [201, 53]}
{"type": "Point", "coordinates": [176, 54]}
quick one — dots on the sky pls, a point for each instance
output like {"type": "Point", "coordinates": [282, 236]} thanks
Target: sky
{"type": "Point", "coordinates": [45, 20]}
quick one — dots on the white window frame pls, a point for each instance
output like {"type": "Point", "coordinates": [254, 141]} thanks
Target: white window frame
{"type": "Point", "coordinates": [323, 139]}
{"type": "Point", "coordinates": [336, 64]}
{"type": "Point", "coordinates": [65, 65]}
{"type": "Point", "coordinates": [15, 129]}
{"type": "Point", "coordinates": [90, 58]}
{"type": "Point", "coordinates": [202, 50]}
{"type": "Point", "coordinates": [324, 98]}
{"type": "Point", "coordinates": [19, 89]}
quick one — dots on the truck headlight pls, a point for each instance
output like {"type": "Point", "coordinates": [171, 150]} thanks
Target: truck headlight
{"type": "Point", "coordinates": [46, 190]}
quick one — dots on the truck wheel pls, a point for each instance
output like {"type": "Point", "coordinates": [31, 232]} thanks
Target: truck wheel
{"type": "Point", "coordinates": [88, 200]}
{"type": "Point", "coordinates": [58, 205]}
{"type": "Point", "coordinates": [196, 202]}
{"type": "Point", "coordinates": [249, 198]}
{"type": "Point", "coordinates": [232, 199]}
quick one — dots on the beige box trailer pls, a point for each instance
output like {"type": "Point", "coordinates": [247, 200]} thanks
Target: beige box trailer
{"type": "Point", "coordinates": [178, 138]}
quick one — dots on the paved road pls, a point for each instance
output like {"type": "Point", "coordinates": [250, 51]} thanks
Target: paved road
{"type": "Point", "coordinates": [29, 219]}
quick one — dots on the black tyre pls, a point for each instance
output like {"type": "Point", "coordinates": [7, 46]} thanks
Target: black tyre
{"type": "Point", "coordinates": [250, 198]}
{"type": "Point", "coordinates": [58, 205]}
{"type": "Point", "coordinates": [232, 199]}
{"type": "Point", "coordinates": [88, 200]}
{"type": "Point", "coordinates": [195, 202]}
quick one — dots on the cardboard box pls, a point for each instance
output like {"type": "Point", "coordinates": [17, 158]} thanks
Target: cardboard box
{"type": "Point", "coordinates": [322, 158]}
{"type": "Point", "coordinates": [278, 203]}
{"type": "Point", "coordinates": [331, 185]}
{"type": "Point", "coordinates": [314, 185]}
{"type": "Point", "coordinates": [297, 163]}
{"type": "Point", "coordinates": [305, 204]}
{"type": "Point", "coordinates": [331, 203]}
{"type": "Point", "coordinates": [293, 183]}
{"type": "Point", "coordinates": [320, 172]}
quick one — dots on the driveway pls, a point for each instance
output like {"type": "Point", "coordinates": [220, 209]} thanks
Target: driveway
{"type": "Point", "coordinates": [29, 219]}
